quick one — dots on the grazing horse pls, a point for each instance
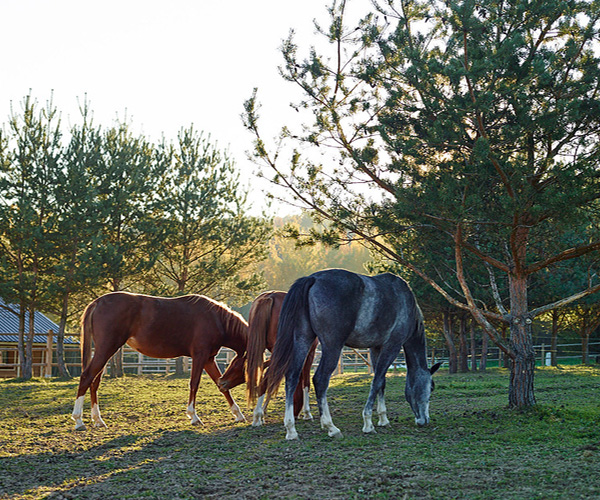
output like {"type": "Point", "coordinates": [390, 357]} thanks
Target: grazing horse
{"type": "Point", "coordinates": [343, 308]}
{"type": "Point", "coordinates": [158, 327]}
{"type": "Point", "coordinates": [262, 332]}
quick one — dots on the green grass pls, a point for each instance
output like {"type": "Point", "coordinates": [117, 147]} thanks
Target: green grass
{"type": "Point", "coordinates": [475, 448]}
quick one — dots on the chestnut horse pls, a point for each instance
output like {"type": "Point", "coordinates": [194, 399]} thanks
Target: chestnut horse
{"type": "Point", "coordinates": [158, 327]}
{"type": "Point", "coordinates": [263, 320]}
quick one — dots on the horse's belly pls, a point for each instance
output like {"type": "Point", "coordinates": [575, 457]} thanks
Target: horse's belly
{"type": "Point", "coordinates": [364, 339]}
{"type": "Point", "coordinates": [154, 351]}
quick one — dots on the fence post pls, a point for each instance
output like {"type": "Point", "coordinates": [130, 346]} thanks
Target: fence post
{"type": "Point", "coordinates": [48, 367]}
{"type": "Point", "coordinates": [140, 367]}
{"type": "Point", "coordinates": [543, 352]}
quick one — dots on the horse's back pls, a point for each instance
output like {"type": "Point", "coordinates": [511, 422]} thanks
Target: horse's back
{"type": "Point", "coordinates": [362, 310]}
{"type": "Point", "coordinates": [159, 327]}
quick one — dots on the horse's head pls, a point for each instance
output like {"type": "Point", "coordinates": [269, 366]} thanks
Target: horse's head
{"type": "Point", "coordinates": [419, 386]}
{"type": "Point", "coordinates": [234, 374]}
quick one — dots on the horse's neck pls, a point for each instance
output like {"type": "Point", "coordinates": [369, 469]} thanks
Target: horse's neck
{"type": "Point", "coordinates": [236, 337]}
{"type": "Point", "coordinates": [415, 352]}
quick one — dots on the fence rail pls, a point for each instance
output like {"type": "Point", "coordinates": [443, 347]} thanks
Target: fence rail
{"type": "Point", "coordinates": [351, 360]}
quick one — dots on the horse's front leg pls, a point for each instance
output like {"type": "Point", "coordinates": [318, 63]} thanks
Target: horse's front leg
{"type": "Point", "coordinates": [214, 373]}
{"type": "Point", "coordinates": [376, 394]}
{"type": "Point", "coordinates": [382, 411]}
{"type": "Point", "coordinates": [197, 367]}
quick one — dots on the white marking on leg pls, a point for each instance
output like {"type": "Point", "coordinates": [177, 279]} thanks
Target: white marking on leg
{"type": "Point", "coordinates": [239, 416]}
{"type": "Point", "coordinates": [327, 422]}
{"type": "Point", "coordinates": [191, 413]}
{"type": "Point", "coordinates": [368, 422]}
{"type": "Point", "coordinates": [382, 412]}
{"type": "Point", "coordinates": [258, 416]}
{"type": "Point", "coordinates": [288, 422]}
{"type": "Point", "coordinates": [77, 413]}
{"type": "Point", "coordinates": [306, 414]}
{"type": "Point", "coordinates": [96, 418]}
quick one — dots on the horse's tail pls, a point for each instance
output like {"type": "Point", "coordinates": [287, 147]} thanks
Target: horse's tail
{"type": "Point", "coordinates": [294, 307]}
{"type": "Point", "coordinates": [258, 327]}
{"type": "Point", "coordinates": [86, 335]}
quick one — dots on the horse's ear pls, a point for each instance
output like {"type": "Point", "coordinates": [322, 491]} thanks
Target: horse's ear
{"type": "Point", "coordinates": [435, 368]}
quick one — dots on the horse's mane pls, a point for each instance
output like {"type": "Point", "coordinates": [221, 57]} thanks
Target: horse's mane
{"type": "Point", "coordinates": [233, 322]}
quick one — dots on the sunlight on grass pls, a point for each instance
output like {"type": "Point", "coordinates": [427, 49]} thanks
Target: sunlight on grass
{"type": "Point", "coordinates": [475, 447]}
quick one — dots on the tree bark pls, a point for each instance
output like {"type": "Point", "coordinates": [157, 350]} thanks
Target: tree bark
{"type": "Point", "coordinates": [21, 339]}
{"type": "Point", "coordinates": [464, 352]}
{"type": "Point", "coordinates": [28, 372]}
{"type": "Point", "coordinates": [60, 338]}
{"type": "Point", "coordinates": [520, 389]}
{"type": "Point", "coordinates": [554, 338]}
{"type": "Point", "coordinates": [448, 334]}
{"type": "Point", "coordinates": [473, 347]}
{"type": "Point", "coordinates": [484, 351]}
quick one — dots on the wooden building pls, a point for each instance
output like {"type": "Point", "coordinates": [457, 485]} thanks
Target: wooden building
{"type": "Point", "coordinates": [43, 341]}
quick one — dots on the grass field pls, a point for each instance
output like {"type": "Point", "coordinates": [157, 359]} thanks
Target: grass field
{"type": "Point", "coordinates": [475, 448]}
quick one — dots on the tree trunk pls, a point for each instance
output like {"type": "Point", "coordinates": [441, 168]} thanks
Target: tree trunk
{"type": "Point", "coordinates": [505, 357]}
{"type": "Point", "coordinates": [554, 338]}
{"type": "Point", "coordinates": [21, 339]}
{"type": "Point", "coordinates": [585, 351]}
{"type": "Point", "coordinates": [28, 372]}
{"type": "Point", "coordinates": [520, 389]}
{"type": "Point", "coordinates": [63, 371]}
{"type": "Point", "coordinates": [464, 352]}
{"type": "Point", "coordinates": [448, 334]}
{"type": "Point", "coordinates": [484, 351]}
{"type": "Point", "coordinates": [116, 364]}
{"type": "Point", "coordinates": [473, 348]}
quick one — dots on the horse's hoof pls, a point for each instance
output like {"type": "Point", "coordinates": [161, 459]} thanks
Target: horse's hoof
{"type": "Point", "coordinates": [80, 427]}
{"type": "Point", "coordinates": [257, 423]}
{"type": "Point", "coordinates": [198, 423]}
{"type": "Point", "coordinates": [369, 430]}
{"type": "Point", "coordinates": [337, 435]}
{"type": "Point", "coordinates": [307, 416]}
{"type": "Point", "coordinates": [292, 437]}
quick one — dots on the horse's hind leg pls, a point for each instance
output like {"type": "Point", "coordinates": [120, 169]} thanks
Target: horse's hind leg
{"type": "Point", "coordinates": [327, 365]}
{"type": "Point", "coordinates": [90, 378]}
{"type": "Point", "coordinates": [96, 418]}
{"type": "Point", "coordinates": [214, 373]}
{"type": "Point", "coordinates": [258, 415]}
{"type": "Point", "coordinates": [292, 377]}
{"type": "Point", "coordinates": [302, 394]}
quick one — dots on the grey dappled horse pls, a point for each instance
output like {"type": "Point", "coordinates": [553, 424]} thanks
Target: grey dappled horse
{"type": "Point", "coordinates": [343, 308]}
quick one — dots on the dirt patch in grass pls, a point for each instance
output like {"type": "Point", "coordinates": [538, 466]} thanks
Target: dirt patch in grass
{"type": "Point", "coordinates": [474, 448]}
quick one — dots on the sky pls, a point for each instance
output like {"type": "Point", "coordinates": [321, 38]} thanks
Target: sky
{"type": "Point", "coordinates": [162, 65]}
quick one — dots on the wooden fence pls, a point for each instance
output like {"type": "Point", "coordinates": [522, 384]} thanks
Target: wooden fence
{"type": "Point", "coordinates": [351, 360]}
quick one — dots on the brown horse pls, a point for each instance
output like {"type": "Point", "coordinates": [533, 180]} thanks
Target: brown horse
{"type": "Point", "coordinates": [158, 327]}
{"type": "Point", "coordinates": [262, 332]}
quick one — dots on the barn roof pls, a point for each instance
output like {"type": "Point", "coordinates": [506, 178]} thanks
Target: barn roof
{"type": "Point", "coordinates": [9, 324]}
{"type": "Point", "coordinates": [37, 339]}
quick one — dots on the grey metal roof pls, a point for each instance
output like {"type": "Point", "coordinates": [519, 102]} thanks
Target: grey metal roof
{"type": "Point", "coordinates": [37, 339]}
{"type": "Point", "coordinates": [9, 321]}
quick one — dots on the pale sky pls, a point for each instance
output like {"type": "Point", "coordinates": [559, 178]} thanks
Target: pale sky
{"type": "Point", "coordinates": [167, 63]}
